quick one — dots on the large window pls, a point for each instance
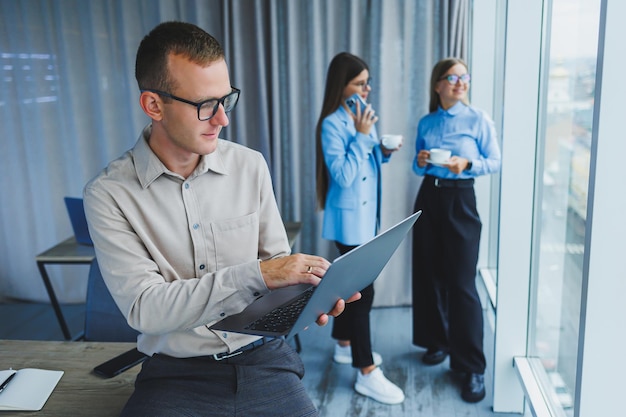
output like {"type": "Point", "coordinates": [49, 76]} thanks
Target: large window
{"type": "Point", "coordinates": [563, 170]}
{"type": "Point", "coordinates": [560, 293]}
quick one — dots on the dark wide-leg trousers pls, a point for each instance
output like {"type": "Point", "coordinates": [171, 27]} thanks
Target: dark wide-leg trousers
{"type": "Point", "coordinates": [447, 313]}
{"type": "Point", "coordinates": [354, 323]}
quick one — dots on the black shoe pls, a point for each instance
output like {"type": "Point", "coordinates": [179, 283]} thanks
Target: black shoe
{"type": "Point", "coordinates": [434, 356]}
{"type": "Point", "coordinates": [473, 388]}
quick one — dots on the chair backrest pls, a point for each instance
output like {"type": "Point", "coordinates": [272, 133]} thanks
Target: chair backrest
{"type": "Point", "coordinates": [76, 212]}
{"type": "Point", "coordinates": [104, 321]}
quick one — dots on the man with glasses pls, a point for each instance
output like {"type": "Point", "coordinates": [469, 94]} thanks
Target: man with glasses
{"type": "Point", "coordinates": [187, 231]}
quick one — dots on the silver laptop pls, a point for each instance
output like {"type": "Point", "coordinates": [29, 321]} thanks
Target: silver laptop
{"type": "Point", "coordinates": [287, 311]}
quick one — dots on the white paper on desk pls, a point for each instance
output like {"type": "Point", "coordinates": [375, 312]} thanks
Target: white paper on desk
{"type": "Point", "coordinates": [29, 389]}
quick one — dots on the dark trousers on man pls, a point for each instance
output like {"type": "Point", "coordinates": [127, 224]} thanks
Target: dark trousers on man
{"type": "Point", "coordinates": [447, 314]}
{"type": "Point", "coordinates": [354, 323]}
{"type": "Point", "coordinates": [265, 381]}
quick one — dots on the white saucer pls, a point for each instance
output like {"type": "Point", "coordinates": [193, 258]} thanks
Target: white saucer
{"type": "Point", "coordinates": [438, 164]}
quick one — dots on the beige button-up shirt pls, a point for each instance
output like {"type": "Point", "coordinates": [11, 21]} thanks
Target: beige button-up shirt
{"type": "Point", "coordinates": [179, 254]}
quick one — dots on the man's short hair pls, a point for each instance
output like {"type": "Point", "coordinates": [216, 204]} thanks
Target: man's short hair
{"type": "Point", "coordinates": [176, 38]}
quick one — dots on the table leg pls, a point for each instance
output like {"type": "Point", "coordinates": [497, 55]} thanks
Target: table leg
{"type": "Point", "coordinates": [54, 301]}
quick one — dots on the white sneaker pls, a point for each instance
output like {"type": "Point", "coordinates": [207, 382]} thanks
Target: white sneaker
{"type": "Point", "coordinates": [343, 354]}
{"type": "Point", "coordinates": [379, 388]}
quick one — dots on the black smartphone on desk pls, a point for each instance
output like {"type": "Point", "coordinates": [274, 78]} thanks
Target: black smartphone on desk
{"type": "Point", "coordinates": [119, 364]}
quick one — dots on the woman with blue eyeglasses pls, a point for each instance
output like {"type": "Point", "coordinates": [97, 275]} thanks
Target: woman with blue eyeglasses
{"type": "Point", "coordinates": [447, 314]}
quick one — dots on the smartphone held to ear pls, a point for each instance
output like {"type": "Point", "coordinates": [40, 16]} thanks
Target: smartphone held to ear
{"type": "Point", "coordinates": [352, 100]}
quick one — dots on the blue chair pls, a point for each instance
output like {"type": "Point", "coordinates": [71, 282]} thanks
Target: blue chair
{"type": "Point", "coordinates": [104, 321]}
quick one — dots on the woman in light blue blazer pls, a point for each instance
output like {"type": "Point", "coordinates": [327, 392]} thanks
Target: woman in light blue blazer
{"type": "Point", "coordinates": [349, 157]}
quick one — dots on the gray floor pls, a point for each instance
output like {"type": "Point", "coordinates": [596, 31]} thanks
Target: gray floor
{"type": "Point", "coordinates": [430, 391]}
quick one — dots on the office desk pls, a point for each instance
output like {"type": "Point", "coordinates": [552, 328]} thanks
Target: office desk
{"type": "Point", "coordinates": [67, 252]}
{"type": "Point", "coordinates": [79, 392]}
{"type": "Point", "coordinates": [71, 252]}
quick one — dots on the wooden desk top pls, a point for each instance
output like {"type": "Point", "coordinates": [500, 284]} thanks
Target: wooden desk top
{"type": "Point", "coordinates": [79, 392]}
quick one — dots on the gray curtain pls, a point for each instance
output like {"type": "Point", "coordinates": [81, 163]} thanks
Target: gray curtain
{"type": "Point", "coordinates": [69, 105]}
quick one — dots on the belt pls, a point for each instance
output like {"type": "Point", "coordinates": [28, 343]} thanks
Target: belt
{"type": "Point", "coordinates": [447, 183]}
{"type": "Point", "coordinates": [250, 346]}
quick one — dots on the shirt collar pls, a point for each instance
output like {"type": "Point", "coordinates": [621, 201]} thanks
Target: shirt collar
{"type": "Point", "coordinates": [149, 167]}
{"type": "Point", "coordinates": [211, 162]}
{"type": "Point", "coordinates": [454, 110]}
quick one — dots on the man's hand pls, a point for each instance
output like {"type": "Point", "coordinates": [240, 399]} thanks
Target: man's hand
{"type": "Point", "coordinates": [293, 269]}
{"type": "Point", "coordinates": [301, 269]}
{"type": "Point", "coordinates": [337, 310]}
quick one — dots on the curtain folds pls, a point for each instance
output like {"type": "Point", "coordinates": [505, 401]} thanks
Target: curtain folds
{"type": "Point", "coordinates": [69, 105]}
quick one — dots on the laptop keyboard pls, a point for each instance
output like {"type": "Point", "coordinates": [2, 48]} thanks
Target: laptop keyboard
{"type": "Point", "coordinates": [281, 318]}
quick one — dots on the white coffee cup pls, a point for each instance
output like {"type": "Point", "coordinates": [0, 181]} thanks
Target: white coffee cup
{"type": "Point", "coordinates": [391, 141]}
{"type": "Point", "coordinates": [440, 156]}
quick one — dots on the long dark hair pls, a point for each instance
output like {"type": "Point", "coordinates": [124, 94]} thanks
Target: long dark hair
{"type": "Point", "coordinates": [342, 69]}
{"type": "Point", "coordinates": [439, 70]}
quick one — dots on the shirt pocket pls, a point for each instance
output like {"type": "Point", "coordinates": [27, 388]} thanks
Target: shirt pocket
{"type": "Point", "coordinates": [236, 240]}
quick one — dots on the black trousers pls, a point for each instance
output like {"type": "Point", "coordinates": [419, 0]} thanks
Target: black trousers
{"type": "Point", "coordinates": [447, 313]}
{"type": "Point", "coordinates": [354, 323]}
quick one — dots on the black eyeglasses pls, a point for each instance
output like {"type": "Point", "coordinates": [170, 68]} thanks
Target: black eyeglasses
{"type": "Point", "coordinates": [364, 84]}
{"type": "Point", "coordinates": [453, 78]}
{"type": "Point", "coordinates": [207, 108]}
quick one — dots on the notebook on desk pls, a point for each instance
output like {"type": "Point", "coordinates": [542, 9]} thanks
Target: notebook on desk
{"type": "Point", "coordinates": [27, 389]}
{"type": "Point", "coordinates": [287, 311]}
{"type": "Point", "coordinates": [76, 212]}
